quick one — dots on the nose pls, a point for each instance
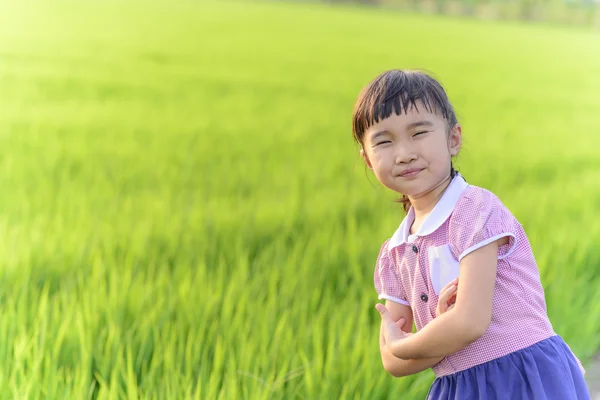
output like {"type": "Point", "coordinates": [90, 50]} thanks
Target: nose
{"type": "Point", "coordinates": [404, 154]}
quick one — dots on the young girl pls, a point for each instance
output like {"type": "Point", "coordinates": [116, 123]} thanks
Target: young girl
{"type": "Point", "coordinates": [460, 265]}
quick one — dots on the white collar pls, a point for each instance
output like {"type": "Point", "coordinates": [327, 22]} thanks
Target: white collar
{"type": "Point", "coordinates": [440, 213]}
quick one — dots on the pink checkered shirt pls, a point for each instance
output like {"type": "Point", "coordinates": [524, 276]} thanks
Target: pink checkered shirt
{"type": "Point", "coordinates": [411, 270]}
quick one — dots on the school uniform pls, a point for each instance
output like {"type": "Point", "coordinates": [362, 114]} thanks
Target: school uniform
{"type": "Point", "coordinates": [520, 356]}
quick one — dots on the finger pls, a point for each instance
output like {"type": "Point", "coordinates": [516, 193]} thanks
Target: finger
{"type": "Point", "coordinates": [452, 299]}
{"type": "Point", "coordinates": [390, 331]}
{"type": "Point", "coordinates": [448, 287]}
{"type": "Point", "coordinates": [439, 311]}
{"type": "Point", "coordinates": [400, 323]}
{"type": "Point", "coordinates": [444, 300]}
{"type": "Point", "coordinates": [452, 282]}
{"type": "Point", "coordinates": [442, 307]}
{"type": "Point", "coordinates": [386, 319]}
{"type": "Point", "coordinates": [385, 314]}
{"type": "Point", "coordinates": [446, 294]}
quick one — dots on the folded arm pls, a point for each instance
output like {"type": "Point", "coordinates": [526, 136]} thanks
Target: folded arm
{"type": "Point", "coordinates": [396, 366]}
{"type": "Point", "coordinates": [470, 317]}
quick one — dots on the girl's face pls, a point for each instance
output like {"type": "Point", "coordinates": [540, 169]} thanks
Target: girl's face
{"type": "Point", "coordinates": [411, 153]}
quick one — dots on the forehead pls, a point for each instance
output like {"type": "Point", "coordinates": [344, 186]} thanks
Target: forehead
{"type": "Point", "coordinates": [406, 120]}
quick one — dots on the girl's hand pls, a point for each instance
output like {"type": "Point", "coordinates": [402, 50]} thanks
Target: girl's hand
{"type": "Point", "coordinates": [391, 330]}
{"type": "Point", "coordinates": [447, 298]}
{"type": "Point", "coordinates": [400, 323]}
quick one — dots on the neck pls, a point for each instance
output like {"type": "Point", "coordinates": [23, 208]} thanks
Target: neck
{"type": "Point", "coordinates": [424, 203]}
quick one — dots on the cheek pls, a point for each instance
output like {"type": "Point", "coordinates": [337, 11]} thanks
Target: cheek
{"type": "Point", "coordinates": [376, 158]}
{"type": "Point", "coordinates": [438, 152]}
{"type": "Point", "coordinates": [381, 166]}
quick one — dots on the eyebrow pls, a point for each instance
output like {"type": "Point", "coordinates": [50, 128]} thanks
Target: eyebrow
{"type": "Point", "coordinates": [378, 134]}
{"type": "Point", "coordinates": [419, 123]}
{"type": "Point", "coordinates": [409, 126]}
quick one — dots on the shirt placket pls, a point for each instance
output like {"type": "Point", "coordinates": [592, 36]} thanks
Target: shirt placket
{"type": "Point", "coordinates": [413, 247]}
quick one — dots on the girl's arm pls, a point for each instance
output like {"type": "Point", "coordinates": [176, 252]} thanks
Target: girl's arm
{"type": "Point", "coordinates": [393, 365]}
{"type": "Point", "coordinates": [470, 317]}
{"type": "Point", "coordinates": [398, 367]}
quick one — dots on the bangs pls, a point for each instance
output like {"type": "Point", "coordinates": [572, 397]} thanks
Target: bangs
{"type": "Point", "coordinates": [399, 91]}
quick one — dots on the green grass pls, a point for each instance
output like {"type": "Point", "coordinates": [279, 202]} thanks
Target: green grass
{"type": "Point", "coordinates": [184, 214]}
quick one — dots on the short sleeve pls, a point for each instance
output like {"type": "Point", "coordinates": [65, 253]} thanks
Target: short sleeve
{"type": "Point", "coordinates": [387, 281]}
{"type": "Point", "coordinates": [479, 219]}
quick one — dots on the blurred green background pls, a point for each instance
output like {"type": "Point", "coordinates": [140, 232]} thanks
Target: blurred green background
{"type": "Point", "coordinates": [184, 213]}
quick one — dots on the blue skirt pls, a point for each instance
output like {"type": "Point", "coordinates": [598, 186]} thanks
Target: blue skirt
{"type": "Point", "coordinates": [546, 370]}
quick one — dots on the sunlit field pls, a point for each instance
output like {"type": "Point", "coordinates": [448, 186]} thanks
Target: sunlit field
{"type": "Point", "coordinates": [184, 213]}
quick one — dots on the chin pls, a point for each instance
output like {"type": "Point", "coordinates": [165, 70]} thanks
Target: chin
{"type": "Point", "coordinates": [413, 188]}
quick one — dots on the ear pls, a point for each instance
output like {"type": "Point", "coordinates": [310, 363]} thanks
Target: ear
{"type": "Point", "coordinates": [455, 140]}
{"type": "Point", "coordinates": [366, 158]}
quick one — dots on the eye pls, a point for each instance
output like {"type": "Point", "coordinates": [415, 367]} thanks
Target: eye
{"type": "Point", "coordinates": [420, 133]}
{"type": "Point", "coordinates": [382, 142]}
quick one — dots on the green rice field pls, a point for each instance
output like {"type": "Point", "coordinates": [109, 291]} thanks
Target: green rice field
{"type": "Point", "coordinates": [184, 213]}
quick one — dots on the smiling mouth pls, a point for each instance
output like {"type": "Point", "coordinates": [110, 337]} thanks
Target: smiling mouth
{"type": "Point", "coordinates": [410, 173]}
